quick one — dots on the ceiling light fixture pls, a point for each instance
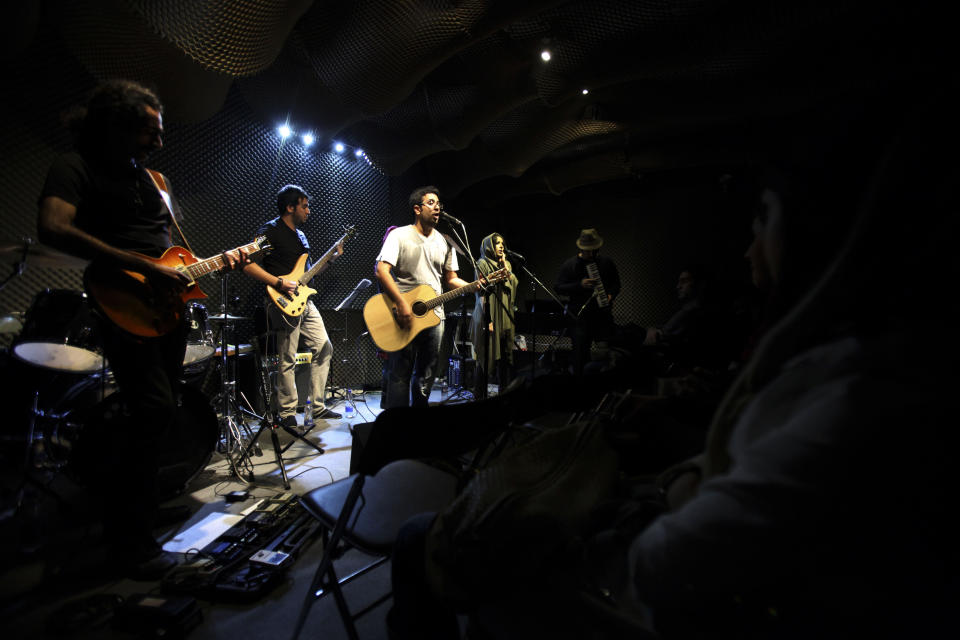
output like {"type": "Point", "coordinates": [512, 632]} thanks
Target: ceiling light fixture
{"type": "Point", "coordinates": [545, 55]}
{"type": "Point", "coordinates": [307, 139]}
{"type": "Point", "coordinates": [284, 131]}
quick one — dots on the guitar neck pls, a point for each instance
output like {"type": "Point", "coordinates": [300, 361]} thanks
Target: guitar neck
{"type": "Point", "coordinates": [215, 263]}
{"type": "Point", "coordinates": [324, 259]}
{"type": "Point", "coordinates": [453, 293]}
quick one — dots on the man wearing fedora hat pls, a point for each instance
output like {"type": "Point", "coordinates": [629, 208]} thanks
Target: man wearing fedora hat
{"type": "Point", "coordinates": [594, 315]}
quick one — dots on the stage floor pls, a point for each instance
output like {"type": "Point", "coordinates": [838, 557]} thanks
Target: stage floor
{"type": "Point", "coordinates": [58, 560]}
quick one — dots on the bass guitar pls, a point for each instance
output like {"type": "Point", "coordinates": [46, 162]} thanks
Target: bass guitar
{"type": "Point", "coordinates": [132, 303]}
{"type": "Point", "coordinates": [380, 312]}
{"type": "Point", "coordinates": [294, 304]}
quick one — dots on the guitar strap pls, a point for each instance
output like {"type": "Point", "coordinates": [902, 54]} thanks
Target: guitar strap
{"type": "Point", "coordinates": [161, 184]}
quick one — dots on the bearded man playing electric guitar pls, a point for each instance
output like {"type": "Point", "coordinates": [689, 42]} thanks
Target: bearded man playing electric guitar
{"type": "Point", "coordinates": [288, 245]}
{"type": "Point", "coordinates": [100, 203]}
{"type": "Point", "coordinates": [416, 254]}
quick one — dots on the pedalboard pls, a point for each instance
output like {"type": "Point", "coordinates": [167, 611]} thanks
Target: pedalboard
{"type": "Point", "coordinates": [249, 559]}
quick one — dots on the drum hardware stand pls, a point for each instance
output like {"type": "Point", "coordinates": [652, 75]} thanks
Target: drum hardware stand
{"type": "Point", "coordinates": [30, 465]}
{"type": "Point", "coordinates": [233, 428]}
{"type": "Point", "coordinates": [20, 265]}
{"type": "Point", "coordinates": [270, 419]}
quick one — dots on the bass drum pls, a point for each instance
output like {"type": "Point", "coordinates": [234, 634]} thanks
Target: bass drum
{"type": "Point", "coordinates": [78, 438]}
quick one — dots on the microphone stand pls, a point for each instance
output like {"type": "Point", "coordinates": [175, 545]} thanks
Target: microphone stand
{"type": "Point", "coordinates": [534, 281]}
{"type": "Point", "coordinates": [465, 244]}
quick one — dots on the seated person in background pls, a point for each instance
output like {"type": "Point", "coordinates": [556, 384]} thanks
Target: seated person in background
{"type": "Point", "coordinates": [789, 534]}
{"type": "Point", "coordinates": [686, 339]}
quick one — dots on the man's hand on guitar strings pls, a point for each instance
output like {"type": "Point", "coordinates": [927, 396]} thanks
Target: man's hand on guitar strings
{"type": "Point", "coordinates": [404, 314]}
{"type": "Point", "coordinates": [167, 282]}
{"type": "Point", "coordinates": [236, 259]}
{"type": "Point", "coordinates": [286, 286]}
{"type": "Point", "coordinates": [338, 251]}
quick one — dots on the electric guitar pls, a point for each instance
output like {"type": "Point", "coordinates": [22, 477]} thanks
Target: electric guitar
{"type": "Point", "coordinates": [132, 303]}
{"type": "Point", "coordinates": [380, 312]}
{"type": "Point", "coordinates": [294, 304]}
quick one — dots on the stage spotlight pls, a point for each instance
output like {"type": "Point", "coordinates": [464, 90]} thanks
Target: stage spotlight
{"type": "Point", "coordinates": [284, 131]}
{"type": "Point", "coordinates": [545, 55]}
{"type": "Point", "coordinates": [358, 153]}
{"type": "Point", "coordinates": [585, 91]}
{"type": "Point", "coordinates": [338, 147]}
{"type": "Point", "coordinates": [307, 139]}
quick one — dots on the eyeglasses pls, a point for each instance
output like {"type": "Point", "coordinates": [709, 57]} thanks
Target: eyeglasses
{"type": "Point", "coordinates": [432, 202]}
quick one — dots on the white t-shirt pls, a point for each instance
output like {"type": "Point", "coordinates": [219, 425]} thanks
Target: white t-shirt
{"type": "Point", "coordinates": [418, 259]}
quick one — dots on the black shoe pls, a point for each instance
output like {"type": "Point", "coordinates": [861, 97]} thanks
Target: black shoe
{"type": "Point", "coordinates": [289, 422]}
{"type": "Point", "coordinates": [326, 414]}
{"type": "Point", "coordinates": [175, 514]}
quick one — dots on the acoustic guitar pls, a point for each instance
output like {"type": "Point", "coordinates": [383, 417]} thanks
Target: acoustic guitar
{"type": "Point", "coordinates": [132, 303]}
{"type": "Point", "coordinates": [380, 312]}
{"type": "Point", "coordinates": [294, 304]}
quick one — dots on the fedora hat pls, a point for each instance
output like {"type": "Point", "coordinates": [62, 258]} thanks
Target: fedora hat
{"type": "Point", "coordinates": [589, 239]}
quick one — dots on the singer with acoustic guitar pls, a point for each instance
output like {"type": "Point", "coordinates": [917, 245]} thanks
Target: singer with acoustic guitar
{"type": "Point", "coordinates": [99, 202]}
{"type": "Point", "coordinates": [295, 321]}
{"type": "Point", "coordinates": [414, 255]}
{"type": "Point", "coordinates": [591, 282]}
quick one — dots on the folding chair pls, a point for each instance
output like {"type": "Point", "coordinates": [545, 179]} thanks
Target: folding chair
{"type": "Point", "coordinates": [366, 510]}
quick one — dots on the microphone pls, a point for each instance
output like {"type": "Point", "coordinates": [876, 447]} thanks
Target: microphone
{"type": "Point", "coordinates": [449, 218]}
{"type": "Point", "coordinates": [514, 255]}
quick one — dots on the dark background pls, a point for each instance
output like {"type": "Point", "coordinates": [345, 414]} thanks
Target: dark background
{"type": "Point", "coordinates": [684, 100]}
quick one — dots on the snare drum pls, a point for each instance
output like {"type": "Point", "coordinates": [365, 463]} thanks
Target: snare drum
{"type": "Point", "coordinates": [60, 332]}
{"type": "Point", "coordinates": [199, 337]}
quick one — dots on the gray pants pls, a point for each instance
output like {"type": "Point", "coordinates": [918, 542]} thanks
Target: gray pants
{"type": "Point", "coordinates": [309, 329]}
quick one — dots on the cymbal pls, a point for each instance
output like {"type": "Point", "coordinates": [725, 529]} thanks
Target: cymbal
{"type": "Point", "coordinates": [39, 255]}
{"type": "Point", "coordinates": [11, 322]}
{"type": "Point", "coordinates": [221, 317]}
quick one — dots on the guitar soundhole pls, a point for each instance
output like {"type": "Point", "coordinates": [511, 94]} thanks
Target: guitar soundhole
{"type": "Point", "coordinates": [419, 308]}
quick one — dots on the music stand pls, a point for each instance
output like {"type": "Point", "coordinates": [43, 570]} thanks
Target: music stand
{"type": "Point", "coordinates": [347, 303]}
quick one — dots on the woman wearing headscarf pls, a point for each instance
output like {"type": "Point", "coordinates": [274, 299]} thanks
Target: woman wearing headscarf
{"type": "Point", "coordinates": [493, 327]}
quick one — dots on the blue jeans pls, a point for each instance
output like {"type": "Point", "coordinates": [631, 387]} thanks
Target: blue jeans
{"type": "Point", "coordinates": [413, 369]}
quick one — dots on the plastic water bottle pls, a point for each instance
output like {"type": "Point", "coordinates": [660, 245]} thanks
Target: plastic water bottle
{"type": "Point", "coordinates": [308, 413]}
{"type": "Point", "coordinates": [348, 411]}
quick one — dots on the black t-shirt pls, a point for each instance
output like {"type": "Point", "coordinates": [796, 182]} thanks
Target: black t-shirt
{"type": "Point", "coordinates": [286, 245]}
{"type": "Point", "coordinates": [119, 205]}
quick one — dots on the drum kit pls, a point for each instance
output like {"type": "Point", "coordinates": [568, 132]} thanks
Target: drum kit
{"type": "Point", "coordinates": [75, 401]}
